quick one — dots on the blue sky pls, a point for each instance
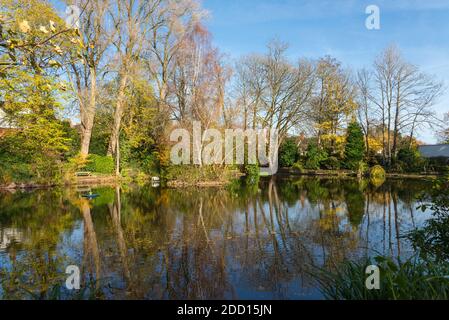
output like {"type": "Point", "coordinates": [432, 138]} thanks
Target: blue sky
{"type": "Point", "coordinates": [314, 28]}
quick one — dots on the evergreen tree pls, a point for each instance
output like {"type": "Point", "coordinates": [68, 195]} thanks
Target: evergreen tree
{"type": "Point", "coordinates": [355, 146]}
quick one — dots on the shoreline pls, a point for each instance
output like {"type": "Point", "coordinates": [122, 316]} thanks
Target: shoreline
{"type": "Point", "coordinates": [94, 181]}
{"type": "Point", "coordinates": [79, 181]}
{"type": "Point", "coordinates": [346, 173]}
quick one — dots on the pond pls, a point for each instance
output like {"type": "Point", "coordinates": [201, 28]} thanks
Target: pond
{"type": "Point", "coordinates": [261, 241]}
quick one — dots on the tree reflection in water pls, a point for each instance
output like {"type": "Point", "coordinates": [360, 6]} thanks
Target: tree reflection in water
{"type": "Point", "coordinates": [243, 241]}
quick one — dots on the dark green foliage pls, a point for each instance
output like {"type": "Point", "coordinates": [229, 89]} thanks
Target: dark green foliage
{"type": "Point", "coordinates": [252, 171]}
{"type": "Point", "coordinates": [75, 140]}
{"type": "Point", "coordinates": [410, 160]}
{"type": "Point", "coordinates": [252, 175]}
{"type": "Point", "coordinates": [12, 171]}
{"type": "Point", "coordinates": [355, 146]}
{"type": "Point", "coordinates": [315, 156]}
{"type": "Point", "coordinates": [101, 132]}
{"type": "Point", "coordinates": [150, 163]}
{"type": "Point", "coordinates": [288, 153]}
{"type": "Point", "coordinates": [20, 164]}
{"type": "Point", "coordinates": [100, 164]}
{"type": "Point", "coordinates": [331, 163]}
{"type": "Point", "coordinates": [432, 241]}
{"type": "Point", "coordinates": [298, 166]}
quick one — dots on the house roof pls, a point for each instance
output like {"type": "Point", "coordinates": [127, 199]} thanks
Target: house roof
{"type": "Point", "coordinates": [434, 151]}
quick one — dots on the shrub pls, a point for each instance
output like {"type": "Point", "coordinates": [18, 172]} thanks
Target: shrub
{"type": "Point", "coordinates": [78, 162]}
{"type": "Point", "coordinates": [377, 172]}
{"type": "Point", "coordinates": [410, 160]}
{"type": "Point", "coordinates": [315, 156]}
{"type": "Point", "coordinates": [288, 153]}
{"type": "Point", "coordinates": [377, 176]}
{"type": "Point", "coordinates": [362, 168]}
{"type": "Point", "coordinates": [432, 240]}
{"type": "Point", "coordinates": [100, 164]}
{"type": "Point", "coordinates": [251, 170]}
{"type": "Point", "coordinates": [298, 166]}
{"type": "Point", "coordinates": [331, 163]}
{"type": "Point", "coordinates": [41, 170]}
{"type": "Point", "coordinates": [15, 172]}
{"type": "Point", "coordinates": [33, 155]}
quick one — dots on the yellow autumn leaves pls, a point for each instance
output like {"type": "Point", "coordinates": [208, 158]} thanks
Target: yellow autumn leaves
{"type": "Point", "coordinates": [25, 27]}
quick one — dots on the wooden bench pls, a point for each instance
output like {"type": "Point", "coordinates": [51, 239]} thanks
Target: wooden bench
{"type": "Point", "coordinates": [83, 174]}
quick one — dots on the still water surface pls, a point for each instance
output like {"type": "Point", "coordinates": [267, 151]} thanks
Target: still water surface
{"type": "Point", "coordinates": [239, 242]}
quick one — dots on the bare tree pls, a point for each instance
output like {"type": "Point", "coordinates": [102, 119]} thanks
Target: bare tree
{"type": "Point", "coordinates": [288, 90]}
{"type": "Point", "coordinates": [405, 97]}
{"type": "Point", "coordinates": [444, 134]}
{"type": "Point", "coordinates": [199, 79]}
{"type": "Point", "coordinates": [249, 86]}
{"type": "Point", "coordinates": [274, 90]}
{"type": "Point", "coordinates": [170, 23]}
{"type": "Point", "coordinates": [85, 64]}
{"type": "Point", "coordinates": [365, 109]}
{"type": "Point", "coordinates": [131, 19]}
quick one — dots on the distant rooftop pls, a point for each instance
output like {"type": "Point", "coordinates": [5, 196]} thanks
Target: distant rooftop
{"type": "Point", "coordinates": [435, 151]}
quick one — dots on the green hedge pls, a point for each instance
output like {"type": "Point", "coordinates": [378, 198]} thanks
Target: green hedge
{"type": "Point", "coordinates": [288, 154]}
{"type": "Point", "coordinates": [100, 164]}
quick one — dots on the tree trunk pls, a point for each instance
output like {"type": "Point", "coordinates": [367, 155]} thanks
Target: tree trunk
{"type": "Point", "coordinates": [88, 115]}
{"type": "Point", "coordinates": [412, 132]}
{"type": "Point", "coordinates": [117, 157]}
{"type": "Point", "coordinates": [254, 118]}
{"type": "Point", "coordinates": [396, 124]}
{"type": "Point", "coordinates": [367, 130]}
{"type": "Point", "coordinates": [389, 138]}
{"type": "Point", "coordinates": [118, 115]}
